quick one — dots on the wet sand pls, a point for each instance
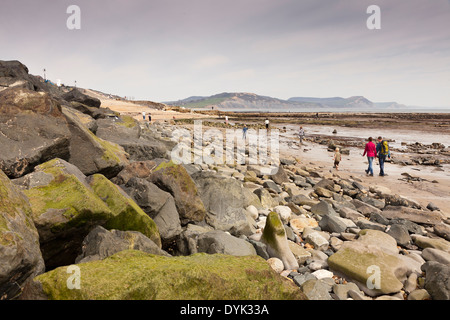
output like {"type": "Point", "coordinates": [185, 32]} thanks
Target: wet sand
{"type": "Point", "coordinates": [424, 128]}
{"type": "Point", "coordinates": [353, 165]}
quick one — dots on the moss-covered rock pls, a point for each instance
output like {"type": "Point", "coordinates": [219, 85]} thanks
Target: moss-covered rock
{"type": "Point", "coordinates": [274, 236]}
{"type": "Point", "coordinates": [20, 255]}
{"type": "Point", "coordinates": [127, 215]}
{"type": "Point", "coordinates": [135, 275]}
{"type": "Point", "coordinates": [92, 154]}
{"type": "Point", "coordinates": [174, 179]}
{"type": "Point", "coordinates": [64, 210]}
{"type": "Point", "coordinates": [140, 144]}
{"type": "Point", "coordinates": [372, 261]}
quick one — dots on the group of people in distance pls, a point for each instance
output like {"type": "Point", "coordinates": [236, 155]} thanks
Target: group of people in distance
{"type": "Point", "coordinates": [149, 116]}
{"type": "Point", "coordinates": [372, 151]}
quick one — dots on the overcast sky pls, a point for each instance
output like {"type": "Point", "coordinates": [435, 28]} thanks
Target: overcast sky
{"type": "Point", "coordinates": [164, 50]}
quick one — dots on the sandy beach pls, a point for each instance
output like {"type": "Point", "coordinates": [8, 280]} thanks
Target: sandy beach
{"type": "Point", "coordinates": [125, 107]}
{"type": "Point", "coordinates": [435, 181]}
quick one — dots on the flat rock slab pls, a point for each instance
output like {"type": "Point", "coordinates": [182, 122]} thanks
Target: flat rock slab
{"type": "Point", "coordinates": [411, 214]}
{"type": "Point", "coordinates": [372, 261]}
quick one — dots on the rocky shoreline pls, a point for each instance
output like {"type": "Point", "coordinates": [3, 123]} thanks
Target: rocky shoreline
{"type": "Point", "coordinates": [94, 207]}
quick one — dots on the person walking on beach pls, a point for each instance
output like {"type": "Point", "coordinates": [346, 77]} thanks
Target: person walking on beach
{"type": "Point", "coordinates": [382, 152]}
{"type": "Point", "coordinates": [143, 115]}
{"type": "Point", "coordinates": [301, 134]}
{"type": "Point", "coordinates": [150, 117]}
{"type": "Point", "coordinates": [371, 152]}
{"type": "Point", "coordinates": [267, 123]}
{"type": "Point", "coordinates": [337, 158]}
{"type": "Point", "coordinates": [244, 132]}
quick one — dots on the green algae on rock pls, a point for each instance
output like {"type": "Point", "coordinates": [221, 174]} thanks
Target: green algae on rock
{"type": "Point", "coordinates": [274, 236]}
{"type": "Point", "coordinates": [92, 154]}
{"type": "Point", "coordinates": [20, 255]}
{"type": "Point", "coordinates": [64, 210]}
{"type": "Point", "coordinates": [135, 275]}
{"type": "Point", "coordinates": [373, 256]}
{"type": "Point", "coordinates": [127, 215]}
{"type": "Point", "coordinates": [174, 179]}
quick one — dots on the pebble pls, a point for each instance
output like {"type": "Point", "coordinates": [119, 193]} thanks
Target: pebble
{"type": "Point", "coordinates": [321, 274]}
{"type": "Point", "coordinates": [276, 264]}
{"type": "Point", "coordinates": [322, 211]}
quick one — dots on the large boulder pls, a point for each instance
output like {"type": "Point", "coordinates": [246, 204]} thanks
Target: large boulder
{"type": "Point", "coordinates": [92, 154]}
{"type": "Point", "coordinates": [101, 243]}
{"type": "Point", "coordinates": [411, 214]}
{"type": "Point", "coordinates": [371, 261]}
{"type": "Point", "coordinates": [64, 209]}
{"type": "Point", "coordinates": [174, 179]}
{"type": "Point", "coordinates": [14, 74]}
{"type": "Point", "coordinates": [136, 275]}
{"type": "Point", "coordinates": [217, 241]}
{"type": "Point", "coordinates": [140, 144]}
{"type": "Point", "coordinates": [224, 203]}
{"type": "Point", "coordinates": [274, 236]}
{"type": "Point", "coordinates": [127, 215]}
{"type": "Point", "coordinates": [75, 95]}
{"type": "Point", "coordinates": [20, 255]}
{"type": "Point", "coordinates": [138, 169]}
{"type": "Point", "coordinates": [157, 204]}
{"type": "Point", "coordinates": [34, 130]}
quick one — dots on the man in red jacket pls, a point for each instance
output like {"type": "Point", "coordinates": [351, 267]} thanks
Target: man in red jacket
{"type": "Point", "coordinates": [371, 152]}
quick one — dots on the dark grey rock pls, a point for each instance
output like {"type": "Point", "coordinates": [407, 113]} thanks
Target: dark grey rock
{"type": "Point", "coordinates": [400, 233]}
{"type": "Point", "coordinates": [101, 243]}
{"type": "Point", "coordinates": [272, 185]}
{"type": "Point", "coordinates": [261, 249]}
{"type": "Point", "coordinates": [332, 223]}
{"type": "Point", "coordinates": [76, 95]}
{"type": "Point", "coordinates": [431, 206]}
{"type": "Point", "coordinates": [437, 280]}
{"type": "Point", "coordinates": [379, 218]}
{"type": "Point", "coordinates": [224, 202]}
{"type": "Point", "coordinates": [221, 242]}
{"type": "Point", "coordinates": [323, 208]}
{"type": "Point", "coordinates": [158, 204]}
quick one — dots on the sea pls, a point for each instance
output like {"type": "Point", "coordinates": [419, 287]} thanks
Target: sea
{"type": "Point", "coordinates": [344, 110]}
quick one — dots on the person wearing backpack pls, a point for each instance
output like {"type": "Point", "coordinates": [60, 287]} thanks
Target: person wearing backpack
{"type": "Point", "coordinates": [382, 152]}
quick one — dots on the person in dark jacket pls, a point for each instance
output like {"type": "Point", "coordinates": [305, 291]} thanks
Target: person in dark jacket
{"type": "Point", "coordinates": [382, 152]}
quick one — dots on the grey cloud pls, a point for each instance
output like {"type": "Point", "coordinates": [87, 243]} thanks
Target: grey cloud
{"type": "Point", "coordinates": [171, 48]}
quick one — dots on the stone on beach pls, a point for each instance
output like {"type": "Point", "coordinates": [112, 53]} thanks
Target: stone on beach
{"type": "Point", "coordinates": [20, 254]}
{"type": "Point", "coordinates": [174, 179]}
{"type": "Point", "coordinates": [374, 252]}
{"type": "Point", "coordinates": [274, 236]}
